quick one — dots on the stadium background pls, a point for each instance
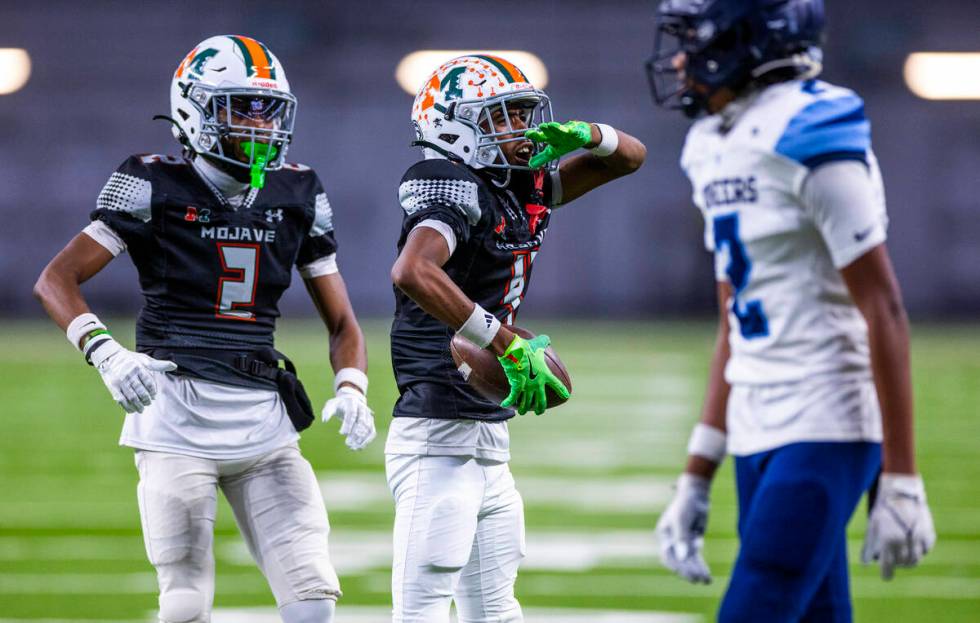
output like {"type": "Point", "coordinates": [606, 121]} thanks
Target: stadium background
{"type": "Point", "coordinates": [623, 286]}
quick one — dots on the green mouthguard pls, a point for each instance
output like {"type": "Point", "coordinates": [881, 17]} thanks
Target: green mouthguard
{"type": "Point", "coordinates": [260, 154]}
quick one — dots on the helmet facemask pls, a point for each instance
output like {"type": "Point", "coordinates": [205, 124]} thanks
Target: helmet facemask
{"type": "Point", "coordinates": [483, 116]}
{"type": "Point", "coordinates": [248, 128]}
{"type": "Point", "coordinates": [669, 83]}
{"type": "Point", "coordinates": [691, 62]}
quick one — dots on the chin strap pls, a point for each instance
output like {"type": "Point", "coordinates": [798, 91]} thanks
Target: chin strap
{"type": "Point", "coordinates": [181, 136]}
{"type": "Point", "coordinates": [439, 150]}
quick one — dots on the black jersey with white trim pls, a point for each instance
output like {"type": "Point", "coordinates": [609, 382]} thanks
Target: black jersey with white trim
{"type": "Point", "coordinates": [498, 233]}
{"type": "Point", "coordinates": [212, 274]}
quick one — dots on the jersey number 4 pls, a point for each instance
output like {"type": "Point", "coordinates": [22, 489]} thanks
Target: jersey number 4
{"type": "Point", "coordinates": [240, 276]}
{"type": "Point", "coordinates": [517, 286]}
{"type": "Point", "coordinates": [752, 319]}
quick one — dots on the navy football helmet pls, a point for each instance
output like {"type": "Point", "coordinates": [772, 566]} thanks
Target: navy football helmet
{"type": "Point", "coordinates": [702, 46]}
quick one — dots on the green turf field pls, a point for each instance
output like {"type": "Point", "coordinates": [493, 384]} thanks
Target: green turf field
{"type": "Point", "coordinates": [594, 475]}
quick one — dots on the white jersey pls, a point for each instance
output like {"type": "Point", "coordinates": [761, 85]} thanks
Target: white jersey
{"type": "Point", "coordinates": [793, 322]}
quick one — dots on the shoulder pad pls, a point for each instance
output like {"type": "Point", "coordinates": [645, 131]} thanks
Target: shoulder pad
{"type": "Point", "coordinates": [440, 182]}
{"type": "Point", "coordinates": [150, 159]}
{"type": "Point", "coordinates": [830, 126]}
{"type": "Point", "coordinates": [293, 183]}
{"type": "Point", "coordinates": [128, 190]}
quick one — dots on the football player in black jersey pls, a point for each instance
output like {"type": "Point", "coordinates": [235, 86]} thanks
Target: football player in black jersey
{"type": "Point", "coordinates": [476, 211]}
{"type": "Point", "coordinates": [215, 235]}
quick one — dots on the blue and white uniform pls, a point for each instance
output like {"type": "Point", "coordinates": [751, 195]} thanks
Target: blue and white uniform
{"type": "Point", "coordinates": [762, 171]}
{"type": "Point", "coordinates": [791, 193]}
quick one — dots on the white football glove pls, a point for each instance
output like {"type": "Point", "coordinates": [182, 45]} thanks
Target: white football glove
{"type": "Point", "coordinates": [900, 528]}
{"type": "Point", "coordinates": [680, 530]}
{"type": "Point", "coordinates": [128, 375]}
{"type": "Point", "coordinates": [356, 418]}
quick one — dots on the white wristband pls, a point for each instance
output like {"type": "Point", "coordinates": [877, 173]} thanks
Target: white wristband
{"type": "Point", "coordinates": [609, 143]}
{"type": "Point", "coordinates": [480, 328]}
{"type": "Point", "coordinates": [354, 376]}
{"type": "Point", "coordinates": [707, 442]}
{"type": "Point", "coordinates": [81, 326]}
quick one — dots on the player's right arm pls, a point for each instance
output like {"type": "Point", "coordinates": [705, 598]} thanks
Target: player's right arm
{"type": "Point", "coordinates": [703, 461]}
{"type": "Point", "coordinates": [59, 286]}
{"type": "Point", "coordinates": [680, 529]}
{"type": "Point", "coordinates": [125, 200]}
{"type": "Point", "coordinates": [418, 273]}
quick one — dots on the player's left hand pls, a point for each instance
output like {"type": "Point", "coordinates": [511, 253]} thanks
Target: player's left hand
{"type": "Point", "coordinates": [559, 138]}
{"type": "Point", "coordinates": [356, 418]}
{"type": "Point", "coordinates": [529, 375]}
{"type": "Point", "coordinates": [900, 528]}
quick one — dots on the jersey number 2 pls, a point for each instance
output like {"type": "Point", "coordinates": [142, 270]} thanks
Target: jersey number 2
{"type": "Point", "coordinates": [240, 276]}
{"type": "Point", "coordinates": [752, 321]}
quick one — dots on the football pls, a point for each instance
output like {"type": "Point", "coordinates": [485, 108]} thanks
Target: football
{"type": "Point", "coordinates": [483, 372]}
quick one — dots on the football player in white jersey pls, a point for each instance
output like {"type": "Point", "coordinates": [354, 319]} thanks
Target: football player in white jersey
{"type": "Point", "coordinates": [215, 235]}
{"type": "Point", "coordinates": [809, 386]}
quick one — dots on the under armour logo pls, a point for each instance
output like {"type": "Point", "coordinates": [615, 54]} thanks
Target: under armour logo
{"type": "Point", "coordinates": [273, 216]}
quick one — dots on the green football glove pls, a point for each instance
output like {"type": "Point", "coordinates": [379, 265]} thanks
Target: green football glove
{"type": "Point", "coordinates": [560, 138]}
{"type": "Point", "coordinates": [528, 374]}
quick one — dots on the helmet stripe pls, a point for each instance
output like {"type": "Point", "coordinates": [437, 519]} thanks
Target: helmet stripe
{"type": "Point", "coordinates": [268, 56]}
{"type": "Point", "coordinates": [257, 62]}
{"type": "Point", "coordinates": [510, 71]}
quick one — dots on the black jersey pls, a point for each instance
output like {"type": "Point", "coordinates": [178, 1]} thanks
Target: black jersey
{"type": "Point", "coordinates": [212, 274]}
{"type": "Point", "coordinates": [498, 233]}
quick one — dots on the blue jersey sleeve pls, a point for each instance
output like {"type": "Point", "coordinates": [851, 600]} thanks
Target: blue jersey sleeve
{"type": "Point", "coordinates": [827, 130]}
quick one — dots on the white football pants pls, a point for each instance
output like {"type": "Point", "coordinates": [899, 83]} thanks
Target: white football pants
{"type": "Point", "coordinates": [279, 511]}
{"type": "Point", "coordinates": [459, 536]}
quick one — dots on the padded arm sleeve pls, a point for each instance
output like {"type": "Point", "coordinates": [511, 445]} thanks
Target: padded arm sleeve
{"type": "Point", "coordinates": [439, 190]}
{"type": "Point", "coordinates": [321, 242]}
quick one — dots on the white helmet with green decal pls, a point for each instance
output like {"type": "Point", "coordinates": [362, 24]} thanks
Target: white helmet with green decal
{"type": "Point", "coordinates": [453, 111]}
{"type": "Point", "coordinates": [230, 101]}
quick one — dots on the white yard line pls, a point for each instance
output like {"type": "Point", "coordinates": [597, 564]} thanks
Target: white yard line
{"type": "Point", "coordinates": [77, 583]}
{"type": "Point", "coordinates": [362, 490]}
{"type": "Point", "coordinates": [94, 547]}
{"type": "Point", "coordinates": [358, 614]}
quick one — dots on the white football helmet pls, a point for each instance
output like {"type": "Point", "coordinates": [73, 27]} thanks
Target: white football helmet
{"type": "Point", "coordinates": [231, 86]}
{"type": "Point", "coordinates": [452, 113]}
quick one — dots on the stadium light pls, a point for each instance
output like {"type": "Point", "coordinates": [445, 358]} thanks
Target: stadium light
{"type": "Point", "coordinates": [944, 75]}
{"type": "Point", "coordinates": [15, 69]}
{"type": "Point", "coordinates": [416, 67]}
